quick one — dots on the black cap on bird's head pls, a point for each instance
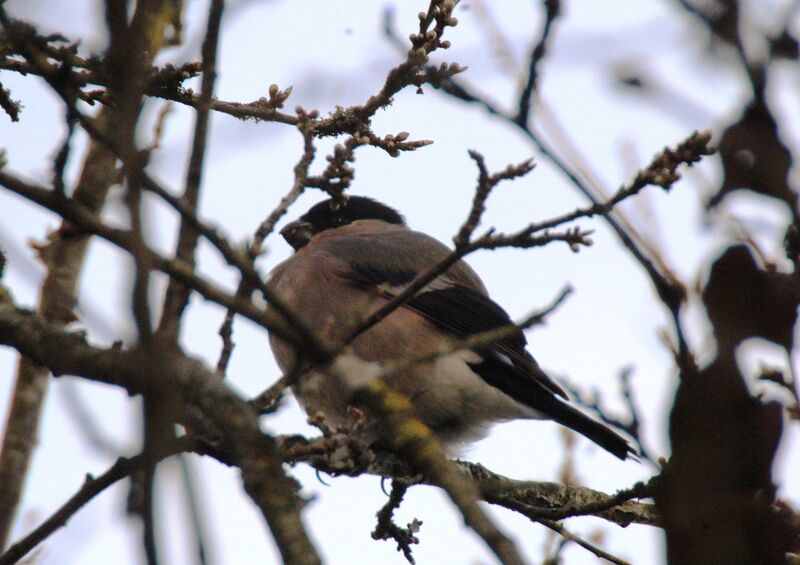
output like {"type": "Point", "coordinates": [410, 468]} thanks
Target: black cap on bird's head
{"type": "Point", "coordinates": [331, 214]}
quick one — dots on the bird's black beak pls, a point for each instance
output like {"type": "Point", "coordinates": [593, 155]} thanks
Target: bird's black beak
{"type": "Point", "coordinates": [297, 233]}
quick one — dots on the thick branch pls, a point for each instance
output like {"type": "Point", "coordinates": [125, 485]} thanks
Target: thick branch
{"type": "Point", "coordinates": [64, 254]}
{"type": "Point", "coordinates": [139, 372]}
{"type": "Point", "coordinates": [340, 455]}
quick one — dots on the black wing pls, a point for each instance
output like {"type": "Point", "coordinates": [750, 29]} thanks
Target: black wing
{"type": "Point", "coordinates": [463, 311]}
{"type": "Point", "coordinates": [506, 363]}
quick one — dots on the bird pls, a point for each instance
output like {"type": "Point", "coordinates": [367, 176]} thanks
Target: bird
{"type": "Point", "coordinates": [353, 254]}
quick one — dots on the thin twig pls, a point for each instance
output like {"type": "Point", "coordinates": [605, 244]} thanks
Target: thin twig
{"type": "Point", "coordinates": [566, 534]}
{"type": "Point", "coordinates": [265, 402]}
{"type": "Point", "coordinates": [300, 180]}
{"type": "Point", "coordinates": [473, 341]}
{"type": "Point", "coordinates": [195, 510]}
{"type": "Point", "coordinates": [662, 171]}
{"type": "Point", "coordinates": [631, 425]}
{"type": "Point", "coordinates": [668, 288]}
{"type": "Point", "coordinates": [177, 295]}
{"type": "Point", "coordinates": [552, 10]}
{"type": "Point", "coordinates": [386, 529]}
{"type": "Point", "coordinates": [486, 183]}
{"type": "Point", "coordinates": [261, 233]}
{"type": "Point", "coordinates": [635, 426]}
{"type": "Point", "coordinates": [93, 486]}
{"type": "Point", "coordinates": [147, 509]}
{"type": "Point", "coordinates": [61, 158]}
{"type": "Point", "coordinates": [140, 292]}
{"type": "Point", "coordinates": [79, 215]}
{"type": "Point", "coordinates": [241, 262]}
{"type": "Point", "coordinates": [539, 316]}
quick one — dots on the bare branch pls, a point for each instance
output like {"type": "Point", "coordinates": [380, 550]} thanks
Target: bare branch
{"type": "Point", "coordinates": [631, 425]}
{"type": "Point", "coordinates": [266, 402]}
{"type": "Point", "coordinates": [93, 486]}
{"type": "Point", "coordinates": [165, 83]}
{"type": "Point", "coordinates": [177, 296]}
{"type": "Point", "coordinates": [386, 529]}
{"type": "Point", "coordinates": [137, 371]}
{"type": "Point", "coordinates": [552, 10]}
{"type": "Point", "coordinates": [662, 171]}
{"type": "Point", "coordinates": [11, 107]}
{"type": "Point", "coordinates": [486, 183]}
{"type": "Point", "coordinates": [65, 254]}
{"type": "Point", "coordinates": [669, 289]}
{"type": "Point", "coordinates": [261, 233]}
{"type": "Point", "coordinates": [90, 222]}
{"type": "Point", "coordinates": [343, 455]}
{"type": "Point", "coordinates": [566, 534]}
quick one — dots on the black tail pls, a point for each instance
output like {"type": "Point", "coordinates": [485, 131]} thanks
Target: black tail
{"type": "Point", "coordinates": [529, 385]}
{"type": "Point", "coordinates": [599, 433]}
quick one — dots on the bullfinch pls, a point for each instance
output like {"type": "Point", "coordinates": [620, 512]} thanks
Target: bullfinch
{"type": "Point", "coordinates": [354, 254]}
